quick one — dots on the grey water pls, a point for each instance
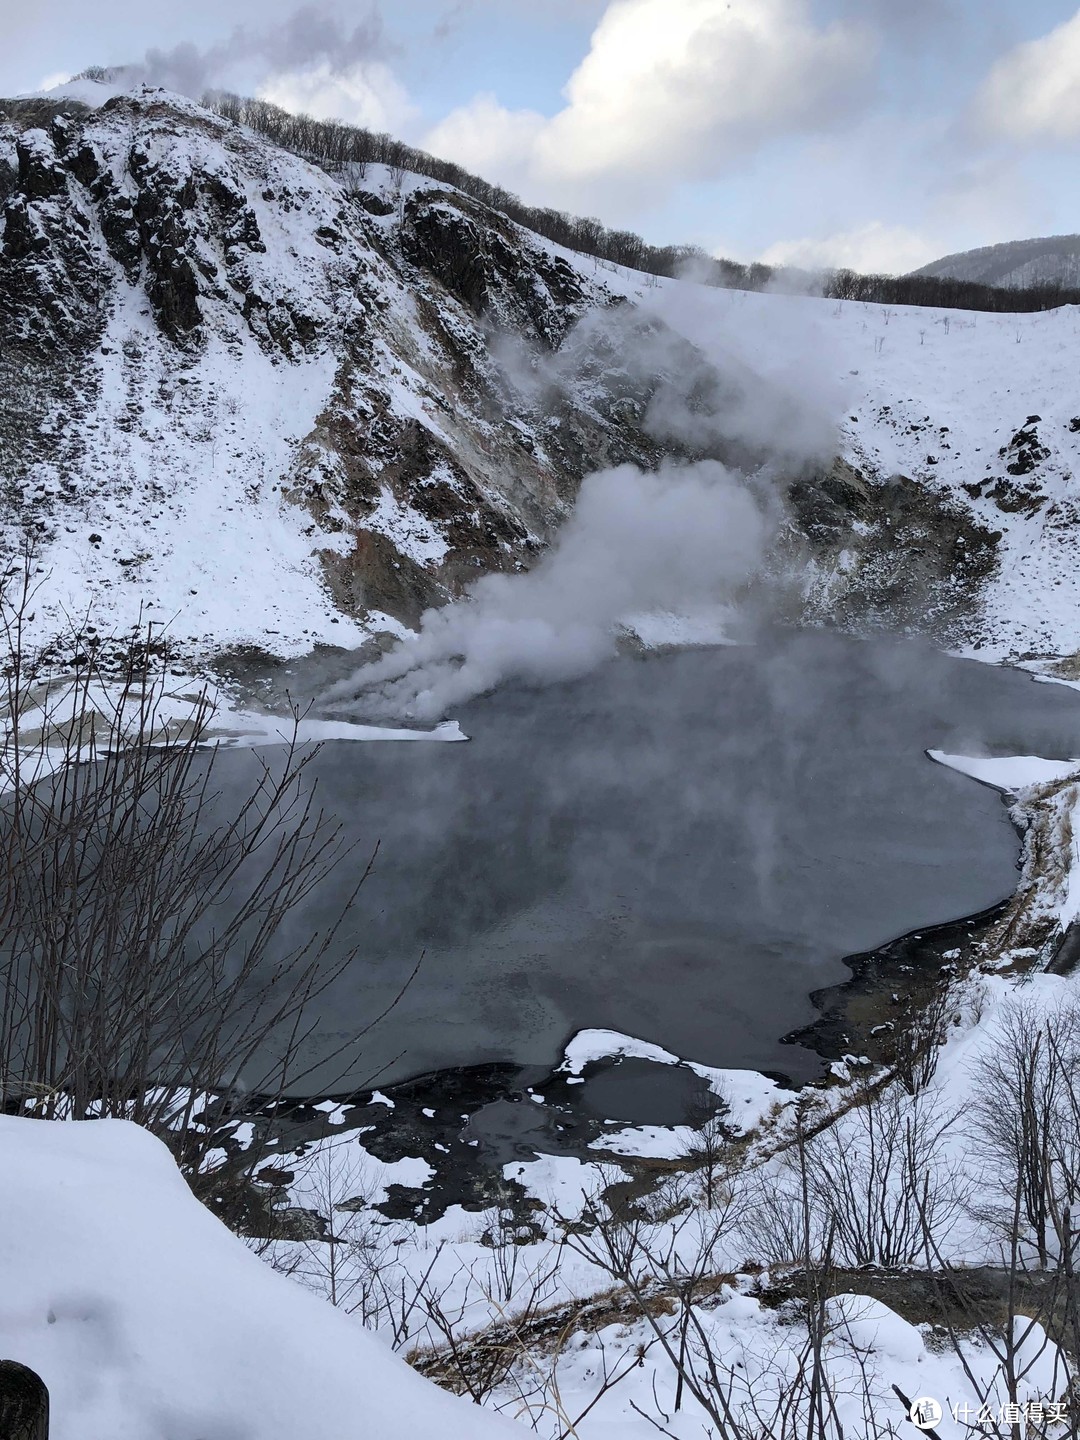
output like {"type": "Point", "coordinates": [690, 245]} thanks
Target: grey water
{"type": "Point", "coordinates": [679, 848]}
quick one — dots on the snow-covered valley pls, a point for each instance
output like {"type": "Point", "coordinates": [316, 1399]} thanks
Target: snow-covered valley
{"type": "Point", "coordinates": [361, 440]}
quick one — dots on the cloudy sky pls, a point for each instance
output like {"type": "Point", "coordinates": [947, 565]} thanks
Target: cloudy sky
{"type": "Point", "coordinates": [875, 133]}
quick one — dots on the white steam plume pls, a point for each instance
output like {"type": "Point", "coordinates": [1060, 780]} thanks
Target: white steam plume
{"type": "Point", "coordinates": [308, 37]}
{"type": "Point", "coordinates": [671, 540]}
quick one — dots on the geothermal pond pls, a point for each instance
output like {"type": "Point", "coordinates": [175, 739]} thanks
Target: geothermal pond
{"type": "Point", "coordinates": [680, 848]}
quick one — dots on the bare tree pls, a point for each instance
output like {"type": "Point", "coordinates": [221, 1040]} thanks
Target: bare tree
{"type": "Point", "coordinates": [1026, 1114]}
{"type": "Point", "coordinates": [1030, 1330]}
{"type": "Point", "coordinates": [141, 965]}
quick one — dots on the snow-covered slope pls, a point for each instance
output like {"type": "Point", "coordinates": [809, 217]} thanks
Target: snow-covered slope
{"type": "Point", "coordinates": [263, 405]}
{"type": "Point", "coordinates": [148, 1320]}
{"type": "Point", "coordinates": [1048, 260]}
{"type": "Point", "coordinates": [955, 505]}
{"type": "Point", "coordinates": [254, 402]}
{"type": "Point", "coordinates": [983, 412]}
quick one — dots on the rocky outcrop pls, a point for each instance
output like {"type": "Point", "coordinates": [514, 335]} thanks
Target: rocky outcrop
{"type": "Point", "coordinates": [50, 286]}
{"type": "Point", "coordinates": [218, 362]}
{"type": "Point", "coordinates": [896, 554]}
{"type": "Point", "coordinates": [481, 259]}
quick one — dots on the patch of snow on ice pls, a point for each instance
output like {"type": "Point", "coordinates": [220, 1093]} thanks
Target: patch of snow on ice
{"type": "Point", "coordinates": [1009, 773]}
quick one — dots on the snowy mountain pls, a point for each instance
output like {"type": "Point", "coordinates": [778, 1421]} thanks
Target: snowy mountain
{"type": "Point", "coordinates": [275, 407]}
{"type": "Point", "coordinates": [228, 379]}
{"type": "Point", "coordinates": [1050, 260]}
{"type": "Point", "coordinates": [271, 406]}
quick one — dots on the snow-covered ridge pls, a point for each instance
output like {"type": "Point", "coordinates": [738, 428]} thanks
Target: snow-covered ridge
{"type": "Point", "coordinates": [1045, 260]}
{"type": "Point", "coordinates": [264, 405]}
{"type": "Point", "coordinates": [233, 399]}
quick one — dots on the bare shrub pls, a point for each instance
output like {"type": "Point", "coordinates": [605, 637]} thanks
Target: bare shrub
{"type": "Point", "coordinates": [352, 1256]}
{"type": "Point", "coordinates": [1026, 1117]}
{"type": "Point", "coordinates": [873, 1181]}
{"type": "Point", "coordinates": [913, 1046]}
{"type": "Point", "coordinates": [713, 1151]}
{"type": "Point", "coordinates": [1031, 1335]}
{"type": "Point", "coordinates": [140, 967]}
{"type": "Point", "coordinates": [781, 1385]}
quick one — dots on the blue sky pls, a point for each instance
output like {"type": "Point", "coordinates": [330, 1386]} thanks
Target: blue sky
{"type": "Point", "coordinates": [878, 133]}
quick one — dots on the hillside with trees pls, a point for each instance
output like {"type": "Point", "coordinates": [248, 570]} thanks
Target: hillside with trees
{"type": "Point", "coordinates": [342, 147]}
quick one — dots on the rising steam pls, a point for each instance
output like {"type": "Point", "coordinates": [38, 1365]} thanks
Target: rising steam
{"type": "Point", "coordinates": [672, 540]}
{"type": "Point", "coordinates": [308, 37]}
{"type": "Point", "coordinates": [754, 392]}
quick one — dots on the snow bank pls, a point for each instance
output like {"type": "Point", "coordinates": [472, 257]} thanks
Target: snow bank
{"type": "Point", "coordinates": [120, 719]}
{"type": "Point", "coordinates": [750, 1094]}
{"type": "Point", "coordinates": [148, 1320]}
{"type": "Point", "coordinates": [262, 730]}
{"type": "Point", "coordinates": [1010, 773]}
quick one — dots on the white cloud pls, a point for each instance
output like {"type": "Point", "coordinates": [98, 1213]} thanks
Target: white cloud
{"type": "Point", "coordinates": [486, 137]}
{"type": "Point", "coordinates": [367, 93]}
{"type": "Point", "coordinates": [874, 248]}
{"type": "Point", "coordinates": [671, 90]}
{"type": "Point", "coordinates": [1033, 92]}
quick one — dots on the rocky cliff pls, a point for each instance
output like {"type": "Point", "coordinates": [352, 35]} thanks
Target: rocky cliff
{"type": "Point", "coordinates": [263, 404]}
{"type": "Point", "coordinates": [214, 359]}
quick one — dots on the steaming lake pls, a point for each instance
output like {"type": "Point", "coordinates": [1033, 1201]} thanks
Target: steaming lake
{"type": "Point", "coordinates": [679, 848]}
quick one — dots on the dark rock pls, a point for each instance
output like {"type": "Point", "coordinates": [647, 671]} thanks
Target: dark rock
{"type": "Point", "coordinates": [448, 243]}
{"type": "Point", "coordinates": [917, 560]}
{"type": "Point", "coordinates": [275, 1175]}
{"type": "Point", "coordinates": [41, 175]}
{"type": "Point", "coordinates": [482, 259]}
{"type": "Point", "coordinates": [9, 179]}
{"type": "Point", "coordinates": [1016, 499]}
{"type": "Point", "coordinates": [373, 204]}
{"type": "Point", "coordinates": [24, 1402]}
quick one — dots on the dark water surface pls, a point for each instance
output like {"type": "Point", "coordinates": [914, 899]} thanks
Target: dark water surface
{"type": "Point", "coordinates": [679, 848]}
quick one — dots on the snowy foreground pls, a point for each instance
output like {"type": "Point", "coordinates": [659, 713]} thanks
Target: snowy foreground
{"type": "Point", "coordinates": [150, 1321]}
{"type": "Point", "coordinates": [603, 1373]}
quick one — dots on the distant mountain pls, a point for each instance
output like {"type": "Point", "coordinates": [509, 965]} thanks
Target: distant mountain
{"type": "Point", "coordinates": [1016, 264]}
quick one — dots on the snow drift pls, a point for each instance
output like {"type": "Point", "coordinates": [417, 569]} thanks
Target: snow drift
{"type": "Point", "coordinates": [148, 1320]}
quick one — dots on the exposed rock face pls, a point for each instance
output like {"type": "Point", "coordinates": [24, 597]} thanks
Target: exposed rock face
{"type": "Point", "coordinates": [477, 255]}
{"type": "Point", "coordinates": [908, 557]}
{"type": "Point", "coordinates": [238, 394]}
{"type": "Point", "coordinates": [49, 281]}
